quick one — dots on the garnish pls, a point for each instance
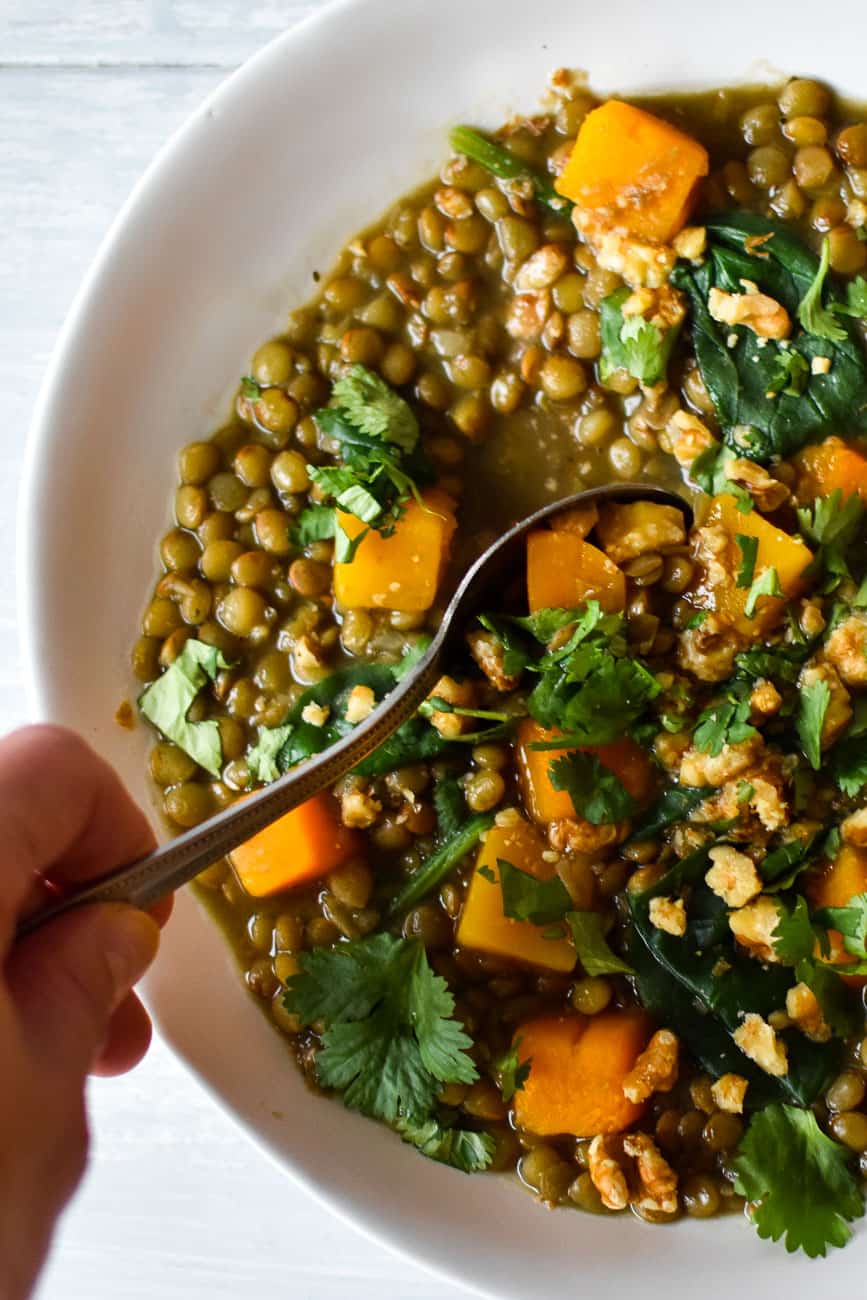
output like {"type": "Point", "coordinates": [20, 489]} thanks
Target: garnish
{"type": "Point", "coordinates": [816, 319]}
{"type": "Point", "coordinates": [511, 1072]}
{"type": "Point", "coordinates": [507, 166]}
{"type": "Point", "coordinates": [594, 952]}
{"type": "Point", "coordinates": [458, 1147]}
{"type": "Point", "coordinates": [724, 723]}
{"type": "Point", "coordinates": [766, 584]}
{"type": "Point", "coordinates": [598, 795]}
{"type": "Point", "coordinates": [749, 551]}
{"type": "Point", "coordinates": [797, 1179]}
{"type": "Point", "coordinates": [527, 898]}
{"type": "Point", "coordinates": [813, 701]}
{"type": "Point", "coordinates": [632, 343]}
{"type": "Point", "coordinates": [390, 1039]}
{"type": "Point", "coordinates": [167, 701]}
{"type": "Point", "coordinates": [435, 869]}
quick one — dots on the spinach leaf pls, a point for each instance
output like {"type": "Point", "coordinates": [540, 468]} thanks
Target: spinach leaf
{"type": "Point", "coordinates": [739, 378]}
{"type": "Point", "coordinates": [526, 898]}
{"type": "Point", "coordinates": [674, 805]}
{"type": "Point", "coordinates": [724, 982]}
{"type": "Point", "coordinates": [166, 703]}
{"type": "Point", "coordinates": [598, 795]}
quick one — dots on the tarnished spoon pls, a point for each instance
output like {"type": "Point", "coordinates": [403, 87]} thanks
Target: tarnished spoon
{"type": "Point", "coordinates": [144, 882]}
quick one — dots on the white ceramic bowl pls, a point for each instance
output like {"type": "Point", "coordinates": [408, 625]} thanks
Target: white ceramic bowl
{"type": "Point", "coordinates": [307, 143]}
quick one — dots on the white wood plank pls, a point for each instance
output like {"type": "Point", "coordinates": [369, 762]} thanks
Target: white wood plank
{"type": "Point", "coordinates": [177, 1204]}
{"type": "Point", "coordinates": [168, 32]}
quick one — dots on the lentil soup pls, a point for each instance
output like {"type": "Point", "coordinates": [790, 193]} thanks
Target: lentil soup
{"type": "Point", "coordinates": [598, 913]}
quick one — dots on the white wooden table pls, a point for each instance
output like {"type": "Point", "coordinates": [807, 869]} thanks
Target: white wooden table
{"type": "Point", "coordinates": [176, 1203]}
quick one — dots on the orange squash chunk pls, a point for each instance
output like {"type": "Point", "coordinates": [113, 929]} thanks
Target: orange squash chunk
{"type": "Point", "coordinates": [302, 845]}
{"type": "Point", "coordinates": [624, 758]}
{"type": "Point", "coordinates": [564, 571]}
{"type": "Point", "coordinates": [830, 466]}
{"type": "Point", "coordinates": [403, 571]}
{"type": "Point", "coordinates": [578, 1065]}
{"type": "Point", "coordinates": [833, 886]}
{"type": "Point", "coordinates": [484, 926]}
{"type": "Point", "coordinates": [787, 554]}
{"type": "Point", "coordinates": [637, 170]}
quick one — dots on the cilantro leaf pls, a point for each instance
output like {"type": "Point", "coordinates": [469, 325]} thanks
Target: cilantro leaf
{"type": "Point", "coordinates": [849, 765]}
{"type": "Point", "coordinates": [778, 663]}
{"type": "Point", "coordinates": [610, 698]}
{"type": "Point", "coordinates": [708, 471]}
{"type": "Point", "coordinates": [766, 584]}
{"type": "Point", "coordinates": [593, 949]}
{"type": "Point", "coordinates": [792, 373]}
{"type": "Point", "coordinates": [795, 936]}
{"type": "Point", "coordinates": [543, 624]}
{"type": "Point", "coordinates": [250, 388]}
{"type": "Point", "coordinates": [598, 795]}
{"type": "Point", "coordinates": [314, 524]}
{"type": "Point", "coordinates": [376, 409]}
{"type": "Point", "coordinates": [831, 519]}
{"type": "Point", "coordinates": [856, 296]}
{"type": "Point", "coordinates": [814, 318]}
{"type": "Point", "coordinates": [632, 343]}
{"type": "Point", "coordinates": [449, 805]}
{"type": "Point", "coordinates": [462, 1149]}
{"type": "Point", "coordinates": [724, 723]}
{"type": "Point", "coordinates": [390, 1039]}
{"type": "Point", "coordinates": [797, 1179]}
{"type": "Point", "coordinates": [851, 921]}
{"type": "Point", "coordinates": [526, 898]}
{"type": "Point", "coordinates": [813, 701]}
{"type": "Point", "coordinates": [262, 758]}
{"type": "Point", "coordinates": [166, 703]}
{"type": "Point", "coordinates": [511, 1072]}
{"type": "Point", "coordinates": [749, 550]}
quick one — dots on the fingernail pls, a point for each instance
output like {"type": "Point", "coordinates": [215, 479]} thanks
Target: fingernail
{"type": "Point", "coordinates": [131, 941]}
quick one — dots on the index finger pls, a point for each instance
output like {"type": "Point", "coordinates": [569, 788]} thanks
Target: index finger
{"type": "Point", "coordinates": [64, 813]}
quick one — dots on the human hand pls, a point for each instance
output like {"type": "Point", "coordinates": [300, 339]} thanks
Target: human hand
{"type": "Point", "coordinates": [66, 1005]}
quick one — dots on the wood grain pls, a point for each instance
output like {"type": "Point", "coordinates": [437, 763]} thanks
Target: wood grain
{"type": "Point", "coordinates": [177, 1203]}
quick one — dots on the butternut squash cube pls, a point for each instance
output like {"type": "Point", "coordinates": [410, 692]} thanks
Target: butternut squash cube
{"type": "Point", "coordinates": [831, 466]}
{"type": "Point", "coordinates": [638, 170]}
{"type": "Point", "coordinates": [302, 845]}
{"type": "Point", "coordinates": [484, 926]}
{"type": "Point", "coordinates": [564, 571]}
{"type": "Point", "coordinates": [401, 572]}
{"type": "Point", "coordinates": [578, 1066]}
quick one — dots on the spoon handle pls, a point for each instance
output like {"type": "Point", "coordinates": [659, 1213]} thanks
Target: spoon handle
{"type": "Point", "coordinates": [174, 863]}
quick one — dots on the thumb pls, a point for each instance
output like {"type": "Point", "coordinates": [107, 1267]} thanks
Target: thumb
{"type": "Point", "coordinates": [68, 978]}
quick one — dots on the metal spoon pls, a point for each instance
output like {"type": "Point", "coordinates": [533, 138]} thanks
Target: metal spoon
{"type": "Point", "coordinates": [144, 882]}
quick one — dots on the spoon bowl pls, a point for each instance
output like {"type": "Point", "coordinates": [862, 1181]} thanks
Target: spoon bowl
{"type": "Point", "coordinates": [144, 882]}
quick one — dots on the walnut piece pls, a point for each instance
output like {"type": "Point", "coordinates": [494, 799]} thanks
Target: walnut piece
{"type": "Point", "coordinates": [360, 704]}
{"type": "Point", "coordinates": [729, 1091]}
{"type": "Point", "coordinates": [487, 650]}
{"type": "Point", "coordinates": [802, 1007]}
{"type": "Point", "coordinates": [758, 311]}
{"type": "Point", "coordinates": [668, 914]}
{"type": "Point", "coordinates": [846, 648]}
{"type": "Point", "coordinates": [733, 876]}
{"type": "Point", "coordinates": [758, 1041]}
{"type": "Point", "coordinates": [655, 1069]}
{"type": "Point", "coordinates": [460, 694]}
{"type": "Point", "coordinates": [606, 1175]}
{"type": "Point", "coordinates": [658, 1179]}
{"type": "Point", "coordinates": [753, 927]}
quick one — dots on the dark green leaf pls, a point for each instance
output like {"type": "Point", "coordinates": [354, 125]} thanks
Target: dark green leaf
{"type": "Point", "coordinates": [462, 1149]}
{"type": "Point", "coordinates": [594, 951]}
{"type": "Point", "coordinates": [813, 701]}
{"type": "Point", "coordinates": [780, 664]}
{"type": "Point", "coordinates": [598, 795]}
{"type": "Point", "coordinates": [632, 343]}
{"type": "Point", "coordinates": [749, 550]}
{"type": "Point", "coordinates": [511, 1072]}
{"type": "Point", "coordinates": [507, 166]}
{"type": "Point", "coordinates": [766, 584]}
{"type": "Point", "coordinates": [795, 935]}
{"type": "Point", "coordinates": [674, 805]}
{"type": "Point", "coordinates": [849, 765]}
{"type": "Point", "coordinates": [440, 864]}
{"type": "Point", "coordinates": [449, 805]}
{"type": "Point", "coordinates": [798, 1181]}
{"type": "Point", "coordinates": [526, 898]}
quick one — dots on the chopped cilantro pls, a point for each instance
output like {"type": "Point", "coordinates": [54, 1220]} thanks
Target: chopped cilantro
{"type": "Point", "coordinates": [833, 525]}
{"type": "Point", "coordinates": [632, 343]}
{"type": "Point", "coordinates": [166, 703]}
{"type": "Point", "coordinates": [849, 765]}
{"type": "Point", "coordinates": [856, 293]}
{"type": "Point", "coordinates": [598, 795]}
{"type": "Point", "coordinates": [449, 805]}
{"type": "Point", "coordinates": [766, 584]}
{"type": "Point", "coordinates": [511, 1072]}
{"type": "Point", "coordinates": [725, 723]}
{"type": "Point", "coordinates": [696, 620]}
{"type": "Point", "coordinates": [526, 898]}
{"type": "Point", "coordinates": [797, 1179]}
{"type": "Point", "coordinates": [792, 373]}
{"type": "Point", "coordinates": [593, 949]}
{"type": "Point", "coordinates": [813, 701]}
{"type": "Point", "coordinates": [314, 524]}
{"type": "Point", "coordinates": [462, 1149]}
{"type": "Point", "coordinates": [749, 550]}
{"type": "Point", "coordinates": [374, 408]}
{"type": "Point", "coordinates": [262, 758]}
{"type": "Point", "coordinates": [795, 935]}
{"type": "Point", "coordinates": [250, 388]}
{"type": "Point", "coordinates": [816, 319]}
{"type": "Point", "coordinates": [390, 1038]}
{"type": "Point", "coordinates": [487, 873]}
{"type": "Point", "coordinates": [851, 921]}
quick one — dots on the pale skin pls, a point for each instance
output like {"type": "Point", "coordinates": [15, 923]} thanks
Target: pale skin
{"type": "Point", "coordinates": [67, 1006]}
